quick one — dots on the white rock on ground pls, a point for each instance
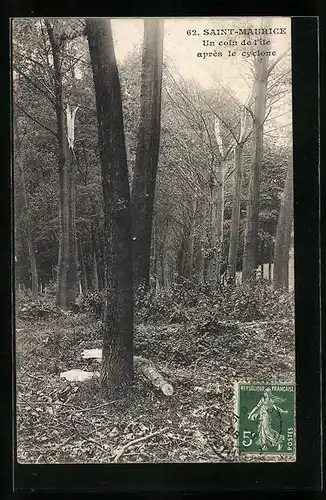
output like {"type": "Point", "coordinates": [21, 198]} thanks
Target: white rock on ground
{"type": "Point", "coordinates": [77, 375]}
{"type": "Point", "coordinates": [92, 354]}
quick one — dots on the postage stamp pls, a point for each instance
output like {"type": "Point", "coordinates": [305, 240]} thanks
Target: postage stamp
{"type": "Point", "coordinates": [266, 423]}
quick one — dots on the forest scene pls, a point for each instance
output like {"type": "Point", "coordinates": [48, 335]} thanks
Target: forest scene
{"type": "Point", "coordinates": [153, 234]}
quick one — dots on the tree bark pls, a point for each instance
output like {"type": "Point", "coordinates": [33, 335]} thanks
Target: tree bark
{"type": "Point", "coordinates": [117, 362]}
{"type": "Point", "coordinates": [144, 178]}
{"type": "Point", "coordinates": [251, 231]}
{"type": "Point", "coordinates": [283, 234]}
{"type": "Point", "coordinates": [235, 221]}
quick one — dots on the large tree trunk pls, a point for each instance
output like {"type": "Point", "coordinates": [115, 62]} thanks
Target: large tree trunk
{"type": "Point", "coordinates": [144, 178]}
{"type": "Point", "coordinates": [67, 267]}
{"type": "Point", "coordinates": [30, 245]}
{"type": "Point", "coordinates": [235, 221]}
{"type": "Point", "coordinates": [283, 234]}
{"type": "Point", "coordinates": [251, 231]}
{"type": "Point", "coordinates": [117, 363]}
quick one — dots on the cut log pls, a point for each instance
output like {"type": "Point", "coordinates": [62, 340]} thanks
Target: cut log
{"type": "Point", "coordinates": [148, 369]}
{"type": "Point", "coordinates": [145, 366]}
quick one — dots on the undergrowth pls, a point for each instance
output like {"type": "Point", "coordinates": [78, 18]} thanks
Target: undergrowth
{"type": "Point", "coordinates": [202, 343]}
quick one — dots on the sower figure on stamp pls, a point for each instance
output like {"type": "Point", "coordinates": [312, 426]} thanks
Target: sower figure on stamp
{"type": "Point", "coordinates": [267, 436]}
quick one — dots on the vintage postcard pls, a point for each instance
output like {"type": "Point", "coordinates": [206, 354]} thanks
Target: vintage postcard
{"type": "Point", "coordinates": [154, 241]}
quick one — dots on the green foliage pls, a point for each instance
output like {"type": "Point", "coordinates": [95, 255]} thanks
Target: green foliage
{"type": "Point", "coordinates": [93, 302]}
{"type": "Point", "coordinates": [38, 308]}
{"type": "Point", "coordinates": [168, 303]}
{"type": "Point", "coordinates": [199, 304]}
{"type": "Point", "coordinates": [258, 301]}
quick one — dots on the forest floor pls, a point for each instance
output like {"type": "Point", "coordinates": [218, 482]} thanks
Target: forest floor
{"type": "Point", "coordinates": [70, 422]}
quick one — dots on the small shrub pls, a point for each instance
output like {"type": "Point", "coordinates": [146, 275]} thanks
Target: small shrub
{"type": "Point", "coordinates": [36, 308]}
{"type": "Point", "coordinates": [93, 302]}
{"type": "Point", "coordinates": [171, 303]}
{"type": "Point", "coordinates": [206, 307]}
{"type": "Point", "coordinates": [258, 301]}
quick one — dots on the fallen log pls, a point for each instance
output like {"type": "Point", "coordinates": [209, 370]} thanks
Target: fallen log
{"type": "Point", "coordinates": [148, 369]}
{"type": "Point", "coordinates": [145, 366]}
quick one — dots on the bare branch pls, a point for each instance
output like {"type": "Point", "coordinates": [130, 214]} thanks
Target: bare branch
{"type": "Point", "coordinates": [274, 63]}
{"type": "Point", "coordinates": [228, 174]}
{"type": "Point", "coordinates": [138, 440]}
{"type": "Point", "coordinates": [278, 80]}
{"type": "Point", "coordinates": [278, 116]}
{"type": "Point", "coordinates": [278, 128]}
{"type": "Point", "coordinates": [221, 120]}
{"type": "Point", "coordinates": [36, 120]}
{"type": "Point", "coordinates": [29, 58]}
{"type": "Point", "coordinates": [45, 92]}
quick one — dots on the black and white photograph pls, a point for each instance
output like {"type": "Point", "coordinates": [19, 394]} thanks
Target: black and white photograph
{"type": "Point", "coordinates": [154, 252]}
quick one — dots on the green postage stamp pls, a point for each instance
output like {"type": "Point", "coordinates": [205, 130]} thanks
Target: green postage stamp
{"type": "Point", "coordinates": [266, 423]}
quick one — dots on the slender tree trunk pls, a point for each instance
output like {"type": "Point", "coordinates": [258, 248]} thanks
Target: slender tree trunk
{"type": "Point", "coordinates": [219, 218]}
{"type": "Point", "coordinates": [144, 177]}
{"type": "Point", "coordinates": [201, 239]}
{"type": "Point", "coordinates": [72, 274]}
{"type": "Point", "coordinates": [84, 280]}
{"type": "Point", "coordinates": [182, 255]}
{"type": "Point", "coordinates": [192, 237]}
{"type": "Point", "coordinates": [162, 266]}
{"type": "Point", "coordinates": [95, 279]}
{"type": "Point", "coordinates": [167, 274]}
{"type": "Point", "coordinates": [212, 263]}
{"type": "Point", "coordinates": [154, 251]}
{"type": "Point", "coordinates": [216, 224]}
{"type": "Point", "coordinates": [117, 358]}
{"type": "Point", "coordinates": [72, 256]}
{"type": "Point", "coordinates": [251, 231]}
{"type": "Point", "coordinates": [262, 259]}
{"type": "Point", "coordinates": [29, 236]}
{"type": "Point", "coordinates": [283, 234]}
{"type": "Point", "coordinates": [270, 263]}
{"type": "Point", "coordinates": [235, 221]}
{"type": "Point", "coordinates": [96, 285]}
{"type": "Point", "coordinates": [64, 182]}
